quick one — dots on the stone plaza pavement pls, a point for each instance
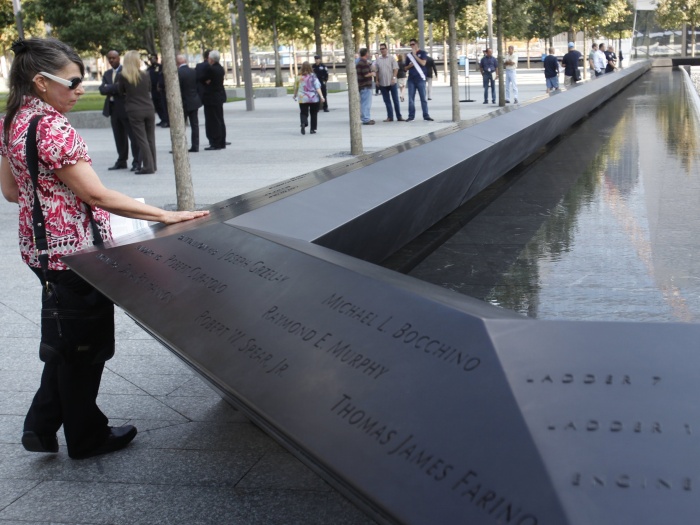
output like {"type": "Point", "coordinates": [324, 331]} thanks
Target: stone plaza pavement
{"type": "Point", "coordinates": [196, 460]}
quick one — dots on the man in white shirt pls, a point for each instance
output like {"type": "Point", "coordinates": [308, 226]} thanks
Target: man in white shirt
{"type": "Point", "coordinates": [511, 63]}
{"type": "Point", "coordinates": [599, 60]}
{"type": "Point", "coordinates": [387, 68]}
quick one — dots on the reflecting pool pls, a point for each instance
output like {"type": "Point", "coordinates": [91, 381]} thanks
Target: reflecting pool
{"type": "Point", "coordinates": [604, 226]}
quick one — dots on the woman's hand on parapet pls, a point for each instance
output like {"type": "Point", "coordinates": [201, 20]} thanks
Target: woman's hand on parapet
{"type": "Point", "coordinates": [173, 217]}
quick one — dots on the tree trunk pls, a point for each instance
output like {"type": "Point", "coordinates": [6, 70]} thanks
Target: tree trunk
{"type": "Point", "coordinates": [176, 26]}
{"type": "Point", "coordinates": [245, 56]}
{"type": "Point", "coordinates": [499, 45]}
{"type": "Point", "coordinates": [366, 33]}
{"type": "Point", "coordinates": [528, 53]}
{"type": "Point", "coordinates": [585, 55]}
{"type": "Point", "coordinates": [445, 56]}
{"type": "Point", "coordinates": [317, 33]}
{"type": "Point", "coordinates": [454, 68]}
{"type": "Point", "coordinates": [278, 65]}
{"type": "Point", "coordinates": [181, 161]}
{"type": "Point", "coordinates": [353, 91]}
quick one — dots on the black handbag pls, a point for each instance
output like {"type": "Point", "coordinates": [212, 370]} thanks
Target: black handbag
{"type": "Point", "coordinates": [77, 321]}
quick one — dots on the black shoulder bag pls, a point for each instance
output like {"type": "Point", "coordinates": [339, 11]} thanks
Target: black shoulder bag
{"type": "Point", "coordinates": [77, 321]}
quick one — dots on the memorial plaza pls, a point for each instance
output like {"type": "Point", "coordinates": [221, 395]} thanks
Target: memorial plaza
{"type": "Point", "coordinates": [196, 459]}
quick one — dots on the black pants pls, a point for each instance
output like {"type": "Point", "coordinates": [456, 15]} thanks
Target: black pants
{"type": "Point", "coordinates": [304, 114]}
{"type": "Point", "coordinates": [214, 125]}
{"type": "Point", "coordinates": [325, 96]}
{"type": "Point", "coordinates": [67, 396]}
{"type": "Point", "coordinates": [122, 136]}
{"type": "Point", "coordinates": [193, 117]}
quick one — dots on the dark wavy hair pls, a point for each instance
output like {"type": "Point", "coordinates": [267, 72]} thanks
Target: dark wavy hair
{"type": "Point", "coordinates": [31, 56]}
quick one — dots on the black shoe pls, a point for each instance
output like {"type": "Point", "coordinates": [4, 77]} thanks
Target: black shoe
{"type": "Point", "coordinates": [118, 166]}
{"type": "Point", "coordinates": [34, 442]}
{"type": "Point", "coordinates": [134, 168]}
{"type": "Point", "coordinates": [303, 130]}
{"type": "Point", "coordinates": [212, 148]}
{"type": "Point", "coordinates": [428, 118]}
{"type": "Point", "coordinates": [144, 172]}
{"type": "Point", "coordinates": [326, 110]}
{"type": "Point", "coordinates": [163, 125]}
{"type": "Point", "coordinates": [193, 150]}
{"type": "Point", "coordinates": [313, 131]}
{"type": "Point", "coordinates": [227, 143]}
{"type": "Point", "coordinates": [118, 438]}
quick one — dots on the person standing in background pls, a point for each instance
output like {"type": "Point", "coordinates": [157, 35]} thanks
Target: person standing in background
{"type": "Point", "coordinates": [510, 61]}
{"type": "Point", "coordinates": [321, 72]}
{"type": "Point", "coordinates": [488, 65]}
{"type": "Point", "coordinates": [401, 75]}
{"type": "Point", "coordinates": [415, 69]}
{"type": "Point", "coordinates": [551, 71]}
{"type": "Point", "coordinates": [570, 63]}
{"type": "Point", "coordinates": [364, 84]}
{"type": "Point", "coordinates": [214, 99]}
{"type": "Point", "coordinates": [114, 109]}
{"type": "Point", "coordinates": [308, 88]}
{"type": "Point", "coordinates": [430, 69]}
{"type": "Point", "coordinates": [155, 72]}
{"type": "Point", "coordinates": [190, 99]}
{"type": "Point", "coordinates": [135, 85]}
{"type": "Point", "coordinates": [387, 70]}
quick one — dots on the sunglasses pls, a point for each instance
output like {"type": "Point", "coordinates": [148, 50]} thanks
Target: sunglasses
{"type": "Point", "coordinates": [70, 84]}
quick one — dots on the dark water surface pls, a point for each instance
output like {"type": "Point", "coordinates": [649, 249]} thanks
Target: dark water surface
{"type": "Point", "coordinates": [605, 226]}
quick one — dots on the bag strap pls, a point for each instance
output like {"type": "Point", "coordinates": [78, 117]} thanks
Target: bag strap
{"type": "Point", "coordinates": [41, 245]}
{"type": "Point", "coordinates": [40, 242]}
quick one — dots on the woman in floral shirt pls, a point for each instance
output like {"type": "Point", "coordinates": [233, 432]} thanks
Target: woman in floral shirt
{"type": "Point", "coordinates": [45, 79]}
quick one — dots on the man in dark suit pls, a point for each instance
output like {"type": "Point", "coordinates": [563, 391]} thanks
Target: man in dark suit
{"type": "Point", "coordinates": [190, 99]}
{"type": "Point", "coordinates": [201, 71]}
{"type": "Point", "coordinates": [214, 98]}
{"type": "Point", "coordinates": [155, 71]}
{"type": "Point", "coordinates": [114, 108]}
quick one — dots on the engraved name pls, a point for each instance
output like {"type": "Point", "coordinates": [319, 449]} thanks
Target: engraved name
{"type": "Point", "coordinates": [626, 481]}
{"type": "Point", "coordinates": [195, 274]}
{"type": "Point", "coordinates": [404, 448]}
{"type": "Point", "coordinates": [415, 340]}
{"type": "Point", "coordinates": [145, 250]}
{"type": "Point", "coordinates": [247, 346]}
{"type": "Point", "coordinates": [593, 379]}
{"type": "Point", "coordinates": [349, 309]}
{"type": "Point", "coordinates": [143, 280]}
{"type": "Point", "coordinates": [201, 246]}
{"type": "Point", "coordinates": [491, 502]}
{"type": "Point", "coordinates": [593, 425]}
{"type": "Point", "coordinates": [338, 349]}
{"type": "Point", "coordinates": [259, 268]}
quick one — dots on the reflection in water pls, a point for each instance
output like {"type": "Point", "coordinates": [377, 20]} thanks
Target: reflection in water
{"type": "Point", "coordinates": [605, 227]}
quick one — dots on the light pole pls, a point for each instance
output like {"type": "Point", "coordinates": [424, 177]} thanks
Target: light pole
{"type": "Point", "coordinates": [234, 47]}
{"type": "Point", "coordinates": [17, 8]}
{"type": "Point", "coordinates": [489, 13]}
{"type": "Point", "coordinates": [421, 32]}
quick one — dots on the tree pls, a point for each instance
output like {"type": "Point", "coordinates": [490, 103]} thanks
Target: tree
{"type": "Point", "coordinates": [86, 25]}
{"type": "Point", "coordinates": [205, 23]}
{"type": "Point", "coordinates": [280, 17]}
{"type": "Point", "coordinates": [353, 92]}
{"type": "Point", "coordinates": [183, 176]}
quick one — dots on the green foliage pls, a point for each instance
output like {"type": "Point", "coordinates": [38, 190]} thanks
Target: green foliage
{"type": "Point", "coordinates": [618, 19]}
{"type": "Point", "coordinates": [205, 23]}
{"type": "Point", "coordinates": [673, 14]}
